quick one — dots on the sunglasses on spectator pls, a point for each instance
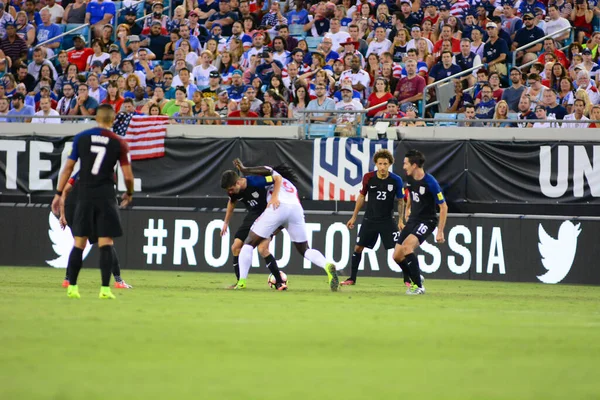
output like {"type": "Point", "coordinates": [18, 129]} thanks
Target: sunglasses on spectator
{"type": "Point", "coordinates": [527, 19]}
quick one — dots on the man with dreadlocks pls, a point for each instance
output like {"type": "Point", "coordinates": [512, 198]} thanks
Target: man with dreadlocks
{"type": "Point", "coordinates": [283, 209]}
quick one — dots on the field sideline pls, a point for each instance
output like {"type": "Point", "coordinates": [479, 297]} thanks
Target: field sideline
{"type": "Point", "coordinates": [181, 336]}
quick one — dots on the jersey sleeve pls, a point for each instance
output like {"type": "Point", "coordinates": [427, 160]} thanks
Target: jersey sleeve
{"type": "Point", "coordinates": [73, 178]}
{"type": "Point", "coordinates": [365, 182]}
{"type": "Point", "coordinates": [399, 186]}
{"type": "Point", "coordinates": [256, 180]}
{"type": "Point", "coordinates": [74, 155]}
{"type": "Point", "coordinates": [435, 189]}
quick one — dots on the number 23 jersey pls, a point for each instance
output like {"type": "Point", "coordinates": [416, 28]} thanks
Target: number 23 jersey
{"type": "Point", "coordinates": [381, 195]}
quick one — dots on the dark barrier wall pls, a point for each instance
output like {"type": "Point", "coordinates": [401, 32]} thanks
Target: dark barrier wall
{"type": "Point", "coordinates": [532, 178]}
{"type": "Point", "coordinates": [493, 249]}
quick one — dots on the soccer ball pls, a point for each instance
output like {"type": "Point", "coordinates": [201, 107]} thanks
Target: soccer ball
{"type": "Point", "coordinates": [271, 281]}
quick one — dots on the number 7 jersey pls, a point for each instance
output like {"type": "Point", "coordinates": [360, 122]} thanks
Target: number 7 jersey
{"type": "Point", "coordinates": [98, 151]}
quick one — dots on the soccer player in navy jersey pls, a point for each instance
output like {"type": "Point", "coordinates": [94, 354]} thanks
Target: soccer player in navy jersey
{"type": "Point", "coordinates": [96, 214]}
{"type": "Point", "coordinates": [252, 191]}
{"type": "Point", "coordinates": [424, 194]}
{"type": "Point", "coordinates": [67, 216]}
{"type": "Point", "coordinates": [381, 188]}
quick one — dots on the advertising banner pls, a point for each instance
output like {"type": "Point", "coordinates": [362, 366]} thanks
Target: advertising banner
{"type": "Point", "coordinates": [477, 248]}
{"type": "Point", "coordinates": [474, 173]}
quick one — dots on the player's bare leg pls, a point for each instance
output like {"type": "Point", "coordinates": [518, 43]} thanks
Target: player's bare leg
{"type": "Point", "coordinates": [74, 266]}
{"type": "Point", "coordinates": [245, 260]}
{"type": "Point", "coordinates": [315, 257]}
{"type": "Point", "coordinates": [356, 258]}
{"type": "Point", "coordinates": [405, 257]}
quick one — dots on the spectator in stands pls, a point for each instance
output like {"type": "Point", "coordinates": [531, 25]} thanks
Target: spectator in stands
{"type": "Point", "coordinates": [280, 108]}
{"type": "Point", "coordinates": [274, 17]}
{"type": "Point", "coordinates": [19, 109]}
{"type": "Point", "coordinates": [550, 48]}
{"type": "Point", "coordinates": [380, 44]}
{"type": "Point", "coordinates": [276, 84]}
{"type": "Point", "coordinates": [540, 113]}
{"type": "Point", "coordinates": [169, 52]}
{"type": "Point", "coordinates": [558, 72]}
{"type": "Point", "coordinates": [46, 110]}
{"type": "Point", "coordinates": [80, 54]}
{"type": "Point", "coordinates": [95, 90]}
{"type": "Point", "coordinates": [510, 22]}
{"type": "Point", "coordinates": [391, 111]}
{"type": "Point", "coordinates": [46, 32]}
{"type": "Point", "coordinates": [553, 109]}
{"type": "Point", "coordinates": [590, 66]}
{"type": "Point", "coordinates": [460, 100]}
{"type": "Point", "coordinates": [173, 106]}
{"type": "Point", "coordinates": [346, 123]}
{"type": "Point", "coordinates": [444, 68]}
{"type": "Point", "coordinates": [336, 35]}
{"type": "Point", "coordinates": [535, 91]}
{"type": "Point", "coordinates": [467, 59]}
{"type": "Point", "coordinates": [381, 94]}
{"type": "Point", "coordinates": [581, 18]}
{"type": "Point", "coordinates": [513, 94]}
{"type": "Point", "coordinates": [184, 79]}
{"type": "Point", "coordinates": [359, 77]}
{"type": "Point", "coordinates": [254, 102]}
{"type": "Point", "coordinates": [244, 112]}
{"type": "Point", "coordinates": [446, 34]}
{"type": "Point", "coordinates": [584, 82]}
{"type": "Point", "coordinates": [112, 97]}
{"type": "Point", "coordinates": [487, 106]}
{"type": "Point", "coordinates": [477, 44]}
{"type": "Point", "coordinates": [130, 15]}
{"type": "Point", "coordinates": [97, 55]}
{"type": "Point", "coordinates": [75, 12]}
{"type": "Point", "coordinates": [156, 42]}
{"type": "Point", "coordinates": [184, 33]}
{"type": "Point", "coordinates": [582, 94]}
{"type": "Point", "coordinates": [525, 35]}
{"type": "Point", "coordinates": [214, 86]}
{"type": "Point", "coordinates": [3, 109]}
{"type": "Point", "coordinates": [298, 16]}
{"type": "Point", "coordinates": [290, 42]}
{"type": "Point", "coordinates": [501, 113]}
{"type": "Point", "coordinates": [577, 115]}
{"type": "Point", "coordinates": [225, 17]}
{"type": "Point", "coordinates": [38, 62]}
{"type": "Point", "coordinates": [318, 24]}
{"type": "Point", "coordinates": [56, 11]}
{"type": "Point", "coordinates": [127, 68]}
{"type": "Point", "coordinates": [64, 104]}
{"type": "Point", "coordinates": [29, 100]}
{"type": "Point", "coordinates": [410, 88]}
{"type": "Point", "coordinates": [267, 66]}
{"type": "Point", "coordinates": [494, 82]}
{"type": "Point", "coordinates": [25, 30]}
{"type": "Point", "coordinates": [469, 117]}
{"type": "Point", "coordinates": [45, 74]}
{"type": "Point", "coordinates": [594, 116]}
{"type": "Point", "coordinates": [5, 18]}
{"type": "Point", "coordinates": [321, 103]}
{"type": "Point", "coordinates": [184, 111]}
{"type": "Point", "coordinates": [266, 113]}
{"type": "Point", "coordinates": [33, 16]}
{"type": "Point", "coordinates": [411, 114]}
{"type": "Point", "coordinates": [222, 104]}
{"type": "Point", "coordinates": [12, 45]}
{"type": "Point", "coordinates": [298, 104]}
{"type": "Point", "coordinates": [525, 111]}
{"type": "Point", "coordinates": [495, 51]}
{"type": "Point", "coordinates": [83, 104]}
{"type": "Point", "coordinates": [555, 23]}
{"type": "Point", "coordinates": [115, 63]}
{"type": "Point", "coordinates": [98, 13]}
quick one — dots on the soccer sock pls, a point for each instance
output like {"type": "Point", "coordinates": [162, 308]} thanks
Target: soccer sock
{"type": "Point", "coordinates": [412, 262]}
{"type": "Point", "coordinates": [67, 273]}
{"type": "Point", "coordinates": [116, 267]}
{"type": "Point", "coordinates": [356, 257]}
{"type": "Point", "coordinates": [74, 266]}
{"type": "Point", "coordinates": [405, 270]}
{"type": "Point", "coordinates": [245, 259]}
{"type": "Point", "coordinates": [315, 257]}
{"type": "Point", "coordinates": [106, 263]}
{"type": "Point", "coordinates": [273, 267]}
{"type": "Point", "coordinates": [236, 267]}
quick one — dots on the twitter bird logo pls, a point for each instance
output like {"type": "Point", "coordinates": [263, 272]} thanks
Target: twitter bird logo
{"type": "Point", "coordinates": [558, 254]}
{"type": "Point", "coordinates": [62, 243]}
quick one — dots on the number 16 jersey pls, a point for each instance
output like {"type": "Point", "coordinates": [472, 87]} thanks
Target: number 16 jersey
{"type": "Point", "coordinates": [381, 195]}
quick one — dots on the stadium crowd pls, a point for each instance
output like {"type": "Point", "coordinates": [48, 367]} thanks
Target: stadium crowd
{"type": "Point", "coordinates": [247, 59]}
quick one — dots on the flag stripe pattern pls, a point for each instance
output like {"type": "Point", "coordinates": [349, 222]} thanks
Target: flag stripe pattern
{"type": "Point", "coordinates": [145, 135]}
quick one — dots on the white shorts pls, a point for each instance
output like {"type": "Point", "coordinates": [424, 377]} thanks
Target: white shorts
{"type": "Point", "coordinates": [290, 216]}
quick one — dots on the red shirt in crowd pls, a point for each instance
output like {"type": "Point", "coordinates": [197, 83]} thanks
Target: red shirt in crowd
{"type": "Point", "coordinates": [79, 57]}
{"type": "Point", "coordinates": [374, 100]}
{"type": "Point", "coordinates": [410, 87]}
{"type": "Point", "coordinates": [238, 114]}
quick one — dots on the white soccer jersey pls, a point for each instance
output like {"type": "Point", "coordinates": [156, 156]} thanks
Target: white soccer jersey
{"type": "Point", "coordinates": [287, 194]}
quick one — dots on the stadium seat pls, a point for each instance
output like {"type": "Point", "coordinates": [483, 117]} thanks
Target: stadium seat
{"type": "Point", "coordinates": [445, 116]}
{"type": "Point", "coordinates": [297, 30]}
{"type": "Point", "coordinates": [320, 130]}
{"type": "Point", "coordinates": [313, 42]}
{"type": "Point", "coordinates": [118, 5]}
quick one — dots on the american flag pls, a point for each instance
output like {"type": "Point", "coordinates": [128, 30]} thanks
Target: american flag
{"type": "Point", "coordinates": [144, 134]}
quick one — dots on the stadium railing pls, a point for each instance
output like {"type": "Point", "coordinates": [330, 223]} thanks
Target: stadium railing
{"type": "Point", "coordinates": [540, 40]}
{"type": "Point", "coordinates": [71, 32]}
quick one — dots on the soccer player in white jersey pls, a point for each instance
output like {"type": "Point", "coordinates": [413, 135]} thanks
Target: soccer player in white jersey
{"type": "Point", "coordinates": [283, 209]}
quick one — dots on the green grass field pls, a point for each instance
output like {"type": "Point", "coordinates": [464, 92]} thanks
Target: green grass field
{"type": "Point", "coordinates": [182, 336]}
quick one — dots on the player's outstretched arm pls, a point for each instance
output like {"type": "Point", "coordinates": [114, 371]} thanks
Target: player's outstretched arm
{"type": "Point", "coordinates": [62, 181]}
{"type": "Point", "coordinates": [360, 202]}
{"type": "Point", "coordinates": [228, 214]}
{"type": "Point", "coordinates": [127, 197]}
{"type": "Point", "coordinates": [442, 223]}
{"type": "Point", "coordinates": [259, 170]}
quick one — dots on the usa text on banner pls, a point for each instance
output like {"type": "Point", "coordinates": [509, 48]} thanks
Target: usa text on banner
{"type": "Point", "coordinates": [146, 136]}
